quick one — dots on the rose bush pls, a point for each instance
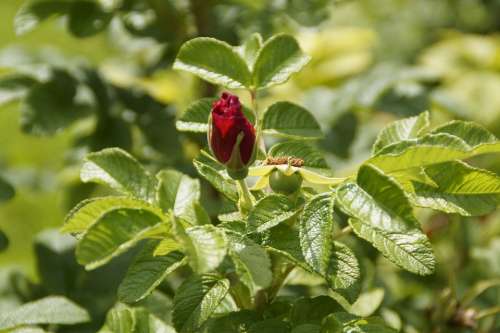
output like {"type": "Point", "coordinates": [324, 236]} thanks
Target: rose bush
{"type": "Point", "coordinates": [267, 203]}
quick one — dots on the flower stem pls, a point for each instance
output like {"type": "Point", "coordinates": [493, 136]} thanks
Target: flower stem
{"type": "Point", "coordinates": [258, 120]}
{"type": "Point", "coordinates": [246, 198]}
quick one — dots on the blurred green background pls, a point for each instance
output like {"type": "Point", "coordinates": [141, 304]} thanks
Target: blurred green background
{"type": "Point", "coordinates": [38, 204]}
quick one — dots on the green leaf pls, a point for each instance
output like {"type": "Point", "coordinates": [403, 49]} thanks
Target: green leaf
{"type": "Point", "coordinates": [436, 147]}
{"type": "Point", "coordinates": [344, 274]}
{"type": "Point", "coordinates": [119, 170]}
{"type": "Point", "coordinates": [6, 190]}
{"type": "Point", "coordinates": [334, 261]}
{"type": "Point", "coordinates": [404, 129]}
{"type": "Point", "coordinates": [473, 134]}
{"type": "Point", "coordinates": [231, 322]}
{"type": "Point", "coordinates": [368, 302]}
{"type": "Point", "coordinates": [212, 172]}
{"type": "Point", "coordinates": [53, 252]}
{"type": "Point", "coordinates": [284, 240]}
{"type": "Point", "coordinates": [51, 106]}
{"type": "Point", "coordinates": [307, 328]}
{"type": "Point", "coordinates": [123, 319]}
{"type": "Point", "coordinates": [28, 330]}
{"type": "Point", "coordinates": [214, 61]}
{"type": "Point", "coordinates": [278, 59]}
{"type": "Point", "coordinates": [312, 310]}
{"type": "Point", "coordinates": [49, 310]}
{"type": "Point", "coordinates": [206, 247]}
{"type": "Point", "coordinates": [272, 325]}
{"type": "Point", "coordinates": [316, 232]}
{"type": "Point", "coordinates": [115, 232]}
{"type": "Point", "coordinates": [167, 245]}
{"type": "Point", "coordinates": [311, 156]}
{"type": "Point", "coordinates": [196, 300]}
{"type": "Point", "coordinates": [251, 261]}
{"type": "Point", "coordinates": [87, 18]}
{"type": "Point", "coordinates": [342, 322]}
{"type": "Point", "coordinates": [477, 289]}
{"type": "Point", "coordinates": [195, 117]}
{"type": "Point", "coordinates": [34, 12]}
{"type": "Point", "coordinates": [250, 49]}
{"type": "Point", "coordinates": [381, 214]}
{"type": "Point", "coordinates": [89, 211]}
{"type": "Point", "coordinates": [290, 120]}
{"type": "Point", "coordinates": [4, 241]}
{"type": "Point", "coordinates": [179, 193]}
{"type": "Point", "coordinates": [459, 188]}
{"type": "Point", "coordinates": [14, 87]}
{"type": "Point", "coordinates": [269, 212]}
{"type": "Point", "coordinates": [147, 272]}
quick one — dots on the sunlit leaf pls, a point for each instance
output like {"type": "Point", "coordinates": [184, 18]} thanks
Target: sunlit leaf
{"type": "Point", "coordinates": [251, 261]}
{"type": "Point", "coordinates": [278, 59]}
{"type": "Point", "coordinates": [404, 129]}
{"type": "Point", "coordinates": [214, 61]}
{"type": "Point", "coordinates": [269, 212]}
{"type": "Point", "coordinates": [88, 212]}
{"type": "Point", "coordinates": [115, 232]}
{"type": "Point", "coordinates": [49, 310]}
{"type": "Point", "coordinates": [179, 193]}
{"type": "Point", "coordinates": [119, 170]}
{"type": "Point", "coordinates": [205, 246]}
{"type": "Point", "coordinates": [459, 188]}
{"type": "Point", "coordinates": [381, 214]}
{"type": "Point", "coordinates": [213, 174]}
{"type": "Point", "coordinates": [290, 120]}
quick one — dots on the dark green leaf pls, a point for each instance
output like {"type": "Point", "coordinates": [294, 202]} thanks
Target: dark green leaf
{"type": "Point", "coordinates": [51, 106]}
{"type": "Point", "coordinates": [34, 12]}
{"type": "Point", "coordinates": [87, 18]}
{"type": "Point", "coordinates": [196, 300]}
{"type": "Point", "coordinates": [6, 190]}
{"type": "Point", "coordinates": [14, 87]}
{"type": "Point", "coordinates": [312, 310]}
{"type": "Point", "coordinates": [147, 272]}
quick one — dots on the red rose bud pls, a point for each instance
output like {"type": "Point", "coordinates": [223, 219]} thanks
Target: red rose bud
{"type": "Point", "coordinates": [231, 136]}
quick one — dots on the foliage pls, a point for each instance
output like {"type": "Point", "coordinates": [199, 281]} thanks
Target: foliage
{"type": "Point", "coordinates": [160, 239]}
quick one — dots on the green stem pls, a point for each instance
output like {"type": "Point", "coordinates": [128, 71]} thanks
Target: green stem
{"type": "Point", "coordinates": [258, 120]}
{"type": "Point", "coordinates": [347, 230]}
{"type": "Point", "coordinates": [487, 312]}
{"type": "Point", "coordinates": [246, 198]}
